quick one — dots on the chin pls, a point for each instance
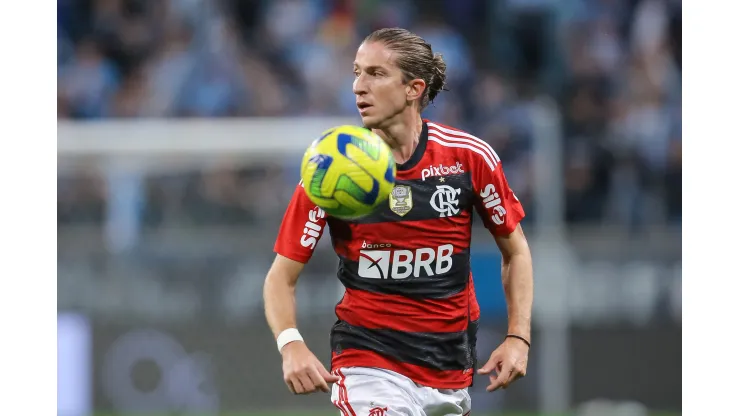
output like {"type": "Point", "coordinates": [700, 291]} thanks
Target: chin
{"type": "Point", "coordinates": [371, 122]}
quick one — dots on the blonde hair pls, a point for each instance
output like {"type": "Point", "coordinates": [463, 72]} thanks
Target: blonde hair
{"type": "Point", "coordinates": [415, 58]}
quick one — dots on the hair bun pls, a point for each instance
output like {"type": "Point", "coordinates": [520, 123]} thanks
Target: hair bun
{"type": "Point", "coordinates": [439, 76]}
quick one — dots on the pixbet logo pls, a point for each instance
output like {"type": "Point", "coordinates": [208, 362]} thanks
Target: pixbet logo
{"type": "Point", "coordinates": [312, 230]}
{"type": "Point", "coordinates": [441, 170]}
{"type": "Point", "coordinates": [492, 200]}
{"type": "Point", "coordinates": [401, 264]}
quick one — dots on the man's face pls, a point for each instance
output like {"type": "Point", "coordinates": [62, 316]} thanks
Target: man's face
{"type": "Point", "coordinates": [379, 87]}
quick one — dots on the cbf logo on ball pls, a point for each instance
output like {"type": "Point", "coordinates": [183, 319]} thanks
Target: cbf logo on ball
{"type": "Point", "coordinates": [441, 170]}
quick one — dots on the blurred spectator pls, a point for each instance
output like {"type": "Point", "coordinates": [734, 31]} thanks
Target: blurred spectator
{"type": "Point", "coordinates": [88, 82]}
{"type": "Point", "coordinates": [613, 67]}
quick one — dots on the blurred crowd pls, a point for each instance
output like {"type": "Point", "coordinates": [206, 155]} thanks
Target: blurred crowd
{"type": "Point", "coordinates": [612, 66]}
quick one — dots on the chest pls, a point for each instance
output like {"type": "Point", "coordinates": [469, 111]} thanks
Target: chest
{"type": "Point", "coordinates": [429, 206]}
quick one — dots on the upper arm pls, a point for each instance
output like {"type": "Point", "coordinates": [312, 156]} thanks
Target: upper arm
{"type": "Point", "coordinates": [512, 244]}
{"type": "Point", "coordinates": [302, 226]}
{"type": "Point", "coordinates": [286, 269]}
{"type": "Point", "coordinates": [495, 201]}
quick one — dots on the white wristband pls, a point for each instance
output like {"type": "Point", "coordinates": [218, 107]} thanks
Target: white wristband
{"type": "Point", "coordinates": [287, 336]}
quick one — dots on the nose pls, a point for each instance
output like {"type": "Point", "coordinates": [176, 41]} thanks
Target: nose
{"type": "Point", "coordinates": [358, 86]}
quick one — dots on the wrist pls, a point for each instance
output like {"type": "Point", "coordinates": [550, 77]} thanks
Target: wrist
{"type": "Point", "coordinates": [519, 338]}
{"type": "Point", "coordinates": [522, 329]}
{"type": "Point", "coordinates": [288, 336]}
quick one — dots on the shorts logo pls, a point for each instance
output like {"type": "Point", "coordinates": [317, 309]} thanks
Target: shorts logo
{"type": "Point", "coordinates": [377, 411]}
{"type": "Point", "coordinates": [400, 200]}
{"type": "Point", "coordinates": [444, 200]}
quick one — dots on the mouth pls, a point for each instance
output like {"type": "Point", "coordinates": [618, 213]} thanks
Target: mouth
{"type": "Point", "coordinates": [363, 107]}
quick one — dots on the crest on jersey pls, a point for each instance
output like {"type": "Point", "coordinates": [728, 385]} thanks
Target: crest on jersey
{"type": "Point", "coordinates": [445, 200]}
{"type": "Point", "coordinates": [400, 200]}
{"type": "Point", "coordinates": [378, 411]}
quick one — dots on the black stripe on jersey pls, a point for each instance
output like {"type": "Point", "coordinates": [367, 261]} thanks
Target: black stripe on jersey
{"type": "Point", "coordinates": [424, 286]}
{"type": "Point", "coordinates": [422, 195]}
{"type": "Point", "coordinates": [473, 341]}
{"type": "Point", "coordinates": [438, 351]}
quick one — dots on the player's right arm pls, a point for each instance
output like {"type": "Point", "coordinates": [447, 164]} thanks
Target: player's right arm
{"type": "Point", "coordinates": [302, 227]}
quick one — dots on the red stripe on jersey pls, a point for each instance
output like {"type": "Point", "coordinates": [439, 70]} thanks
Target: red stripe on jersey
{"type": "Point", "coordinates": [474, 307]}
{"type": "Point", "coordinates": [438, 379]}
{"type": "Point", "coordinates": [399, 313]}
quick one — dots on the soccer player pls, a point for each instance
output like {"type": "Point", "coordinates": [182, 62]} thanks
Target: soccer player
{"type": "Point", "coordinates": [404, 342]}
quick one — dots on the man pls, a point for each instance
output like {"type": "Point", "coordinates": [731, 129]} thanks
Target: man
{"type": "Point", "coordinates": [404, 342]}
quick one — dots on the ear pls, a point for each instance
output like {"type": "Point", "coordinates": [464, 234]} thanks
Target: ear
{"type": "Point", "coordinates": [415, 89]}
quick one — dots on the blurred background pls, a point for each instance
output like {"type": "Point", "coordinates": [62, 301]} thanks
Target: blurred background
{"type": "Point", "coordinates": [180, 129]}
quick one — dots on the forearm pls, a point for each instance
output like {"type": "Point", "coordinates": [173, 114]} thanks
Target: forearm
{"type": "Point", "coordinates": [280, 309]}
{"type": "Point", "coordinates": [518, 282]}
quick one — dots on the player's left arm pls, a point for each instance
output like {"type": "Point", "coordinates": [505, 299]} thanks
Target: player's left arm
{"type": "Point", "coordinates": [502, 213]}
{"type": "Point", "coordinates": [518, 281]}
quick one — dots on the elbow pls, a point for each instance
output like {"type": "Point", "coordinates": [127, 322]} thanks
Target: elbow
{"type": "Point", "coordinates": [522, 256]}
{"type": "Point", "coordinates": [277, 280]}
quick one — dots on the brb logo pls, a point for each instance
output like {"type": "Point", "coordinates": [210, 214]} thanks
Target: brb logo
{"type": "Point", "coordinates": [312, 230]}
{"type": "Point", "coordinates": [444, 200]}
{"type": "Point", "coordinates": [401, 264]}
{"type": "Point", "coordinates": [492, 200]}
{"type": "Point", "coordinates": [441, 170]}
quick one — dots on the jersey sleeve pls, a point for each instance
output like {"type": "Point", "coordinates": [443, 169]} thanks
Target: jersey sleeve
{"type": "Point", "coordinates": [302, 227]}
{"type": "Point", "coordinates": [496, 203]}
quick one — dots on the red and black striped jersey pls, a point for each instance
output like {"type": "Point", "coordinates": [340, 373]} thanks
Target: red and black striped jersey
{"type": "Point", "coordinates": [409, 304]}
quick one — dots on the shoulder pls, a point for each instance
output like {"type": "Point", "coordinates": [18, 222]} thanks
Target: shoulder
{"type": "Point", "coordinates": [464, 144]}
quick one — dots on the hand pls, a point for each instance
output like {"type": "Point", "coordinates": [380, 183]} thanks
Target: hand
{"type": "Point", "coordinates": [303, 372]}
{"type": "Point", "coordinates": [507, 363]}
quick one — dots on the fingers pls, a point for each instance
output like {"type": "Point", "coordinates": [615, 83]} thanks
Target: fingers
{"type": "Point", "coordinates": [306, 383]}
{"type": "Point", "coordinates": [318, 381]}
{"type": "Point", "coordinates": [518, 371]}
{"type": "Point", "coordinates": [289, 383]}
{"type": "Point", "coordinates": [508, 374]}
{"type": "Point", "coordinates": [327, 376]}
{"type": "Point", "coordinates": [309, 379]}
{"type": "Point", "coordinates": [491, 365]}
{"type": "Point", "coordinates": [501, 379]}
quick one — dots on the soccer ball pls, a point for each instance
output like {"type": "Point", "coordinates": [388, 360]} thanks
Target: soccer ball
{"type": "Point", "coordinates": [348, 172]}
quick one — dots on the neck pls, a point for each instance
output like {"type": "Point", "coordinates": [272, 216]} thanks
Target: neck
{"type": "Point", "coordinates": [402, 136]}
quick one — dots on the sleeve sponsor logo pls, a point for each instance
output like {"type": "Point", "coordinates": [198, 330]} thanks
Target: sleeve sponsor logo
{"type": "Point", "coordinates": [312, 230]}
{"type": "Point", "coordinates": [492, 202]}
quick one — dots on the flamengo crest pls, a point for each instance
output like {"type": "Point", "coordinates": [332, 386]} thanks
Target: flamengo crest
{"type": "Point", "coordinates": [378, 411]}
{"type": "Point", "coordinates": [444, 200]}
